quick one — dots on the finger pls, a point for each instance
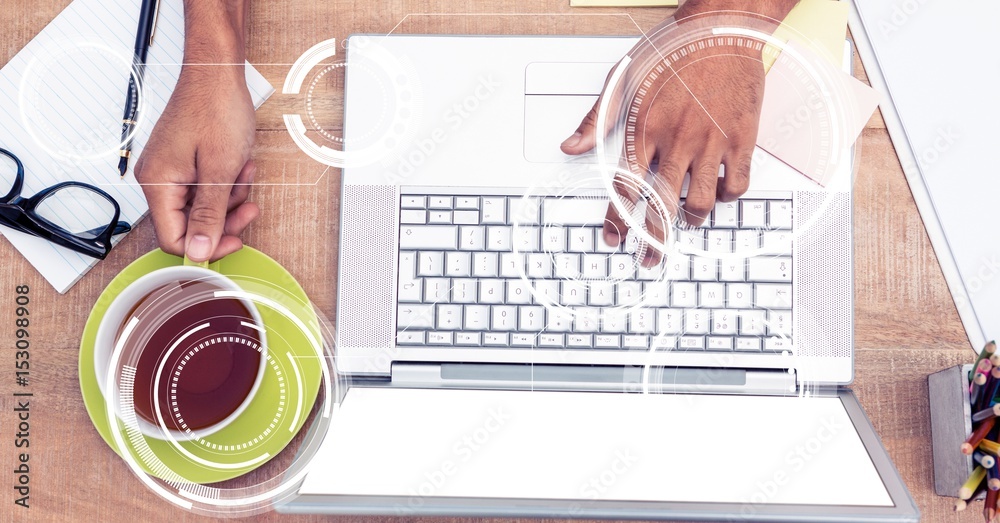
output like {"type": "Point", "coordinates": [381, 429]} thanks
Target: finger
{"type": "Point", "coordinates": [227, 245]}
{"type": "Point", "coordinates": [659, 213]}
{"type": "Point", "coordinates": [585, 136]}
{"type": "Point", "coordinates": [701, 190]}
{"type": "Point", "coordinates": [206, 220]}
{"type": "Point", "coordinates": [736, 179]}
{"type": "Point", "coordinates": [615, 227]}
{"type": "Point", "coordinates": [242, 186]}
{"type": "Point", "coordinates": [239, 218]}
{"type": "Point", "coordinates": [167, 202]}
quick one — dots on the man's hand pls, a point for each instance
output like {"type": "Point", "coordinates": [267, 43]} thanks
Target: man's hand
{"type": "Point", "coordinates": [702, 114]}
{"type": "Point", "coordinates": [196, 169]}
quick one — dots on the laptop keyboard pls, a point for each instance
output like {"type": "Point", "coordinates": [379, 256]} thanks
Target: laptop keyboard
{"type": "Point", "coordinates": [468, 277]}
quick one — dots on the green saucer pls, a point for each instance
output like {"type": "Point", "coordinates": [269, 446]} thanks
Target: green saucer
{"type": "Point", "coordinates": [282, 403]}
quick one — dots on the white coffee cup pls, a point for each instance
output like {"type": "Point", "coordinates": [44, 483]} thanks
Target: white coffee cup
{"type": "Point", "coordinates": [125, 303]}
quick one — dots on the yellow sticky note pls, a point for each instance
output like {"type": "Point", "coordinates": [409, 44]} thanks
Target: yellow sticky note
{"type": "Point", "coordinates": [820, 25]}
{"type": "Point", "coordinates": [623, 3]}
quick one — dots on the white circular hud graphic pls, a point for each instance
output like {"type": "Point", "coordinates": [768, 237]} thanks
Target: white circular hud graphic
{"type": "Point", "coordinates": [265, 453]}
{"type": "Point", "coordinates": [395, 89]}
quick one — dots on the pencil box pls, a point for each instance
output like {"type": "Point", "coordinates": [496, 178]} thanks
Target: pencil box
{"type": "Point", "coordinates": [951, 422]}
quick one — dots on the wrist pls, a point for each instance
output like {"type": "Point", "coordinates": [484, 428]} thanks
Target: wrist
{"type": "Point", "coordinates": [214, 31]}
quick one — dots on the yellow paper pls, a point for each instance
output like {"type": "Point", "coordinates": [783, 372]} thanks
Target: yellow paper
{"type": "Point", "coordinates": [623, 3]}
{"type": "Point", "coordinates": [820, 25]}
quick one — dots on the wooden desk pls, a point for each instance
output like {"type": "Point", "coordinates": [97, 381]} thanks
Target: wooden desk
{"type": "Point", "coordinates": [907, 325]}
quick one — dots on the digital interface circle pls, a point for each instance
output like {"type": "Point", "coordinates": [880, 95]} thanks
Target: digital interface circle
{"type": "Point", "coordinates": [266, 449]}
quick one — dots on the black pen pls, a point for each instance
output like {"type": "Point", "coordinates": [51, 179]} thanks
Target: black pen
{"type": "Point", "coordinates": [143, 39]}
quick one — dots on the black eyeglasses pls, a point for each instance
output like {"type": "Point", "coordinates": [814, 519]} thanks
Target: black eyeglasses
{"type": "Point", "coordinates": [73, 215]}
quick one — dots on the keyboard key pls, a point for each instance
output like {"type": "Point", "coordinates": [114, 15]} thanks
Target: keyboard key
{"type": "Point", "coordinates": [491, 291]}
{"type": "Point", "coordinates": [719, 343]}
{"type": "Point", "coordinates": [753, 214]}
{"type": "Point", "coordinates": [779, 323]}
{"type": "Point", "coordinates": [622, 267]}
{"type": "Point", "coordinates": [668, 321]}
{"type": "Point", "coordinates": [769, 269]}
{"type": "Point", "coordinates": [465, 217]}
{"type": "Point", "coordinates": [656, 272]}
{"type": "Point", "coordinates": [579, 340]}
{"type": "Point", "coordinates": [711, 295]}
{"type": "Point", "coordinates": [503, 318]}
{"type": "Point", "coordinates": [696, 321]}
{"type": "Point", "coordinates": [484, 264]}
{"type": "Point", "coordinates": [751, 322]}
{"type": "Point", "coordinates": [539, 265]}
{"type": "Point", "coordinates": [411, 316]}
{"type": "Point", "coordinates": [518, 291]}
{"type": "Point", "coordinates": [477, 317]}
{"type": "Point", "coordinates": [464, 290]}
{"type": "Point", "coordinates": [412, 216]}
{"type": "Point", "coordinates": [525, 238]}
{"type": "Point", "coordinates": [456, 264]}
{"type": "Point", "coordinates": [635, 342]}
{"type": "Point", "coordinates": [581, 239]}
{"type": "Point", "coordinates": [602, 294]}
{"type": "Point", "coordinates": [663, 343]}
{"type": "Point", "coordinates": [437, 290]}
{"type": "Point", "coordinates": [720, 241]}
{"type": "Point", "coordinates": [587, 319]}
{"type": "Point", "coordinates": [408, 337]}
{"type": "Point", "coordinates": [748, 344]}
{"type": "Point", "coordinates": [747, 242]}
{"type": "Point", "coordinates": [467, 202]}
{"type": "Point", "coordinates": [685, 295]}
{"type": "Point", "coordinates": [776, 344]}
{"type": "Point", "coordinates": [704, 269]}
{"type": "Point", "coordinates": [546, 291]}
{"type": "Point", "coordinates": [574, 293]}
{"type": "Point", "coordinates": [494, 210]}
{"type": "Point", "coordinates": [472, 239]}
{"type": "Point", "coordinates": [691, 240]}
{"type": "Point", "coordinates": [691, 343]}
{"type": "Point", "coordinates": [410, 291]}
{"type": "Point", "coordinates": [496, 339]}
{"type": "Point", "coordinates": [732, 269]}
{"type": "Point", "coordinates": [449, 318]}
{"type": "Point", "coordinates": [439, 202]}
{"type": "Point", "coordinates": [498, 239]}
{"type": "Point", "coordinates": [595, 267]}
{"type": "Point", "coordinates": [607, 341]}
{"type": "Point", "coordinates": [430, 263]}
{"type": "Point", "coordinates": [428, 237]}
{"type": "Point", "coordinates": [409, 284]}
{"type": "Point", "coordinates": [642, 321]}
{"type": "Point", "coordinates": [614, 320]}
{"type": "Point", "coordinates": [779, 214]}
{"type": "Point", "coordinates": [440, 338]}
{"type": "Point", "coordinates": [724, 322]}
{"type": "Point", "coordinates": [629, 293]}
{"type": "Point", "coordinates": [567, 266]}
{"type": "Point", "coordinates": [739, 295]}
{"type": "Point", "coordinates": [559, 321]}
{"type": "Point", "coordinates": [525, 211]}
{"type": "Point", "coordinates": [773, 296]}
{"type": "Point", "coordinates": [551, 340]}
{"type": "Point", "coordinates": [522, 340]}
{"type": "Point", "coordinates": [531, 318]}
{"type": "Point", "coordinates": [678, 267]}
{"type": "Point", "coordinates": [574, 211]}
{"type": "Point", "coordinates": [553, 239]}
{"type": "Point", "coordinates": [602, 246]}
{"type": "Point", "coordinates": [656, 294]}
{"type": "Point", "coordinates": [412, 202]}
{"type": "Point", "coordinates": [439, 217]}
{"type": "Point", "coordinates": [472, 339]}
{"type": "Point", "coordinates": [726, 215]}
{"type": "Point", "coordinates": [511, 265]}
{"type": "Point", "coordinates": [776, 242]}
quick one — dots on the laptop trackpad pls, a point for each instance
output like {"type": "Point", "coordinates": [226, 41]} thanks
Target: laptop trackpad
{"type": "Point", "coordinates": [610, 446]}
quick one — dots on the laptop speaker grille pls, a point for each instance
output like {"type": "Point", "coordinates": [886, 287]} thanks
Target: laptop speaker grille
{"type": "Point", "coordinates": [367, 266]}
{"type": "Point", "coordinates": [824, 299]}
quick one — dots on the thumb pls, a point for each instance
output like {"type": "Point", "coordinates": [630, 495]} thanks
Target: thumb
{"type": "Point", "coordinates": [206, 220]}
{"type": "Point", "coordinates": [585, 136]}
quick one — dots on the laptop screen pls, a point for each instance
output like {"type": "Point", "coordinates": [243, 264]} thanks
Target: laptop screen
{"type": "Point", "coordinates": [752, 450]}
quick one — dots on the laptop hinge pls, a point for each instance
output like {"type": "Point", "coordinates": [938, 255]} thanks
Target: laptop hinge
{"type": "Point", "coordinates": [608, 378]}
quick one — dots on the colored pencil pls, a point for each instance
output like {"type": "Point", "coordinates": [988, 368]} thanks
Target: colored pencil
{"type": "Point", "coordinates": [990, 506]}
{"type": "Point", "coordinates": [987, 351]}
{"type": "Point", "coordinates": [970, 484]}
{"type": "Point", "coordinates": [962, 504]}
{"type": "Point", "coordinates": [989, 446]}
{"type": "Point", "coordinates": [976, 390]}
{"type": "Point", "coordinates": [991, 412]}
{"type": "Point", "coordinates": [978, 435]}
{"type": "Point", "coordinates": [992, 477]}
{"type": "Point", "coordinates": [983, 458]}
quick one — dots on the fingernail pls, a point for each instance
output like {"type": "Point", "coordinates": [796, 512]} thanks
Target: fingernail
{"type": "Point", "coordinates": [199, 248]}
{"type": "Point", "coordinates": [612, 238]}
{"type": "Point", "coordinates": [573, 140]}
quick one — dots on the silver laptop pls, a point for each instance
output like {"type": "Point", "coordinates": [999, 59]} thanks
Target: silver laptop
{"type": "Point", "coordinates": [504, 361]}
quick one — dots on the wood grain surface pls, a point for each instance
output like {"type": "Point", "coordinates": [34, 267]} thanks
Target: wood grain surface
{"type": "Point", "coordinates": [906, 322]}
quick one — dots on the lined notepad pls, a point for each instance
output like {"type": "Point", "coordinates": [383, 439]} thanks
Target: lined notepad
{"type": "Point", "coordinates": [61, 104]}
